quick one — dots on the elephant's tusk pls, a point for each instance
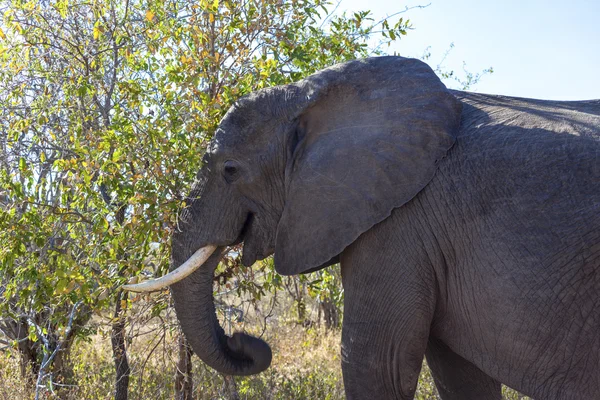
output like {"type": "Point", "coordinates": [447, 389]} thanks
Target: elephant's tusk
{"type": "Point", "coordinates": [185, 269]}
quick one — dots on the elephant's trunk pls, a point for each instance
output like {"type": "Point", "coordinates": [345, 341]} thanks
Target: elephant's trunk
{"type": "Point", "coordinates": [240, 354]}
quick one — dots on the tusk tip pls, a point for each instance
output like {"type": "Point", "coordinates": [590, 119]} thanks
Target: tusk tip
{"type": "Point", "coordinates": [185, 269]}
{"type": "Point", "coordinates": [133, 288]}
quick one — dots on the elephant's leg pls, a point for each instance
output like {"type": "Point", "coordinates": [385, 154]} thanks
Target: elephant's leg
{"type": "Point", "coordinates": [458, 379]}
{"type": "Point", "coordinates": [385, 331]}
{"type": "Point", "coordinates": [383, 349]}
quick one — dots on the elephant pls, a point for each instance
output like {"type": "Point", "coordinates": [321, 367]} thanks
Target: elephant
{"type": "Point", "coordinates": [467, 227]}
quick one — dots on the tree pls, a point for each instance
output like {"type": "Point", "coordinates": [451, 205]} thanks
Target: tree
{"type": "Point", "coordinates": [105, 111]}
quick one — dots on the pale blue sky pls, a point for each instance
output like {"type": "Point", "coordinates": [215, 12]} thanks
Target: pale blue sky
{"type": "Point", "coordinates": [540, 49]}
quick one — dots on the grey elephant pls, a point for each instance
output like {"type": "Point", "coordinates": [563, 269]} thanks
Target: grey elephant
{"type": "Point", "coordinates": [467, 227]}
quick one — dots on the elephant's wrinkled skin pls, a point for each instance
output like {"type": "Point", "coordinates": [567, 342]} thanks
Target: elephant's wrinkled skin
{"type": "Point", "coordinates": [467, 227]}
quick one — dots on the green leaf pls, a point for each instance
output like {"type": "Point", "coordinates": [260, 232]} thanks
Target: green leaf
{"type": "Point", "coordinates": [61, 285]}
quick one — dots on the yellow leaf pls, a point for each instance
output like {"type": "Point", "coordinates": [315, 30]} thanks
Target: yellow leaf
{"type": "Point", "coordinates": [2, 35]}
{"type": "Point", "coordinates": [211, 17]}
{"type": "Point", "coordinates": [96, 32]}
{"type": "Point", "coordinates": [149, 15]}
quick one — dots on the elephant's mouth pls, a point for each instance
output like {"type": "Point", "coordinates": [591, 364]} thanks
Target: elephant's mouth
{"type": "Point", "coordinates": [251, 249]}
{"type": "Point", "coordinates": [245, 229]}
{"type": "Point", "coordinates": [256, 245]}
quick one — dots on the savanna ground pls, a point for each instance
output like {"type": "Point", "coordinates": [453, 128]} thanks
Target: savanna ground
{"type": "Point", "coordinates": [306, 363]}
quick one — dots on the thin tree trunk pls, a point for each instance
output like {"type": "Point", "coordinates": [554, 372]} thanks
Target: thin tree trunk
{"type": "Point", "coordinates": [61, 367]}
{"type": "Point", "coordinates": [117, 339]}
{"type": "Point", "coordinates": [299, 297]}
{"type": "Point", "coordinates": [29, 363]}
{"type": "Point", "coordinates": [331, 314]}
{"type": "Point", "coordinates": [18, 329]}
{"type": "Point", "coordinates": [184, 384]}
{"type": "Point", "coordinates": [117, 336]}
{"type": "Point", "coordinates": [319, 315]}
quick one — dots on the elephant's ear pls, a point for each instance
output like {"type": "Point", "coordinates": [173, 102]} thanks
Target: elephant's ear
{"type": "Point", "coordinates": [368, 140]}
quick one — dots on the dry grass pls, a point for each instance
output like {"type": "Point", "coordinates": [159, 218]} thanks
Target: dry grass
{"type": "Point", "coordinates": [306, 365]}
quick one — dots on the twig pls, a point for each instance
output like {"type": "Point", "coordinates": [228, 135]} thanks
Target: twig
{"type": "Point", "coordinates": [330, 14]}
{"type": "Point", "coordinates": [406, 9]}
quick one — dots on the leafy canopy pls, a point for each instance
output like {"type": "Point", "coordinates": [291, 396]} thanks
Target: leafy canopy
{"type": "Point", "coordinates": [106, 107]}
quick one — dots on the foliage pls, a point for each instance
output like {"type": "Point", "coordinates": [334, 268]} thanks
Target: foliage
{"type": "Point", "coordinates": [105, 111]}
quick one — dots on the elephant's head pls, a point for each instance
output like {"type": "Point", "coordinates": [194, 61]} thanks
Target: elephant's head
{"type": "Point", "coordinates": [302, 171]}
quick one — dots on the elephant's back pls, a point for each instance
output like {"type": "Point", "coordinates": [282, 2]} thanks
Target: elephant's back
{"type": "Point", "coordinates": [532, 166]}
{"type": "Point", "coordinates": [487, 114]}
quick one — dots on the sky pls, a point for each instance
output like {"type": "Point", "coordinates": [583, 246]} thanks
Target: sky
{"type": "Point", "coordinates": [538, 49]}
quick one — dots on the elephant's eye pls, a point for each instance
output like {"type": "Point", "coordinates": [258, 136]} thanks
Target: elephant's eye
{"type": "Point", "coordinates": [230, 171]}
